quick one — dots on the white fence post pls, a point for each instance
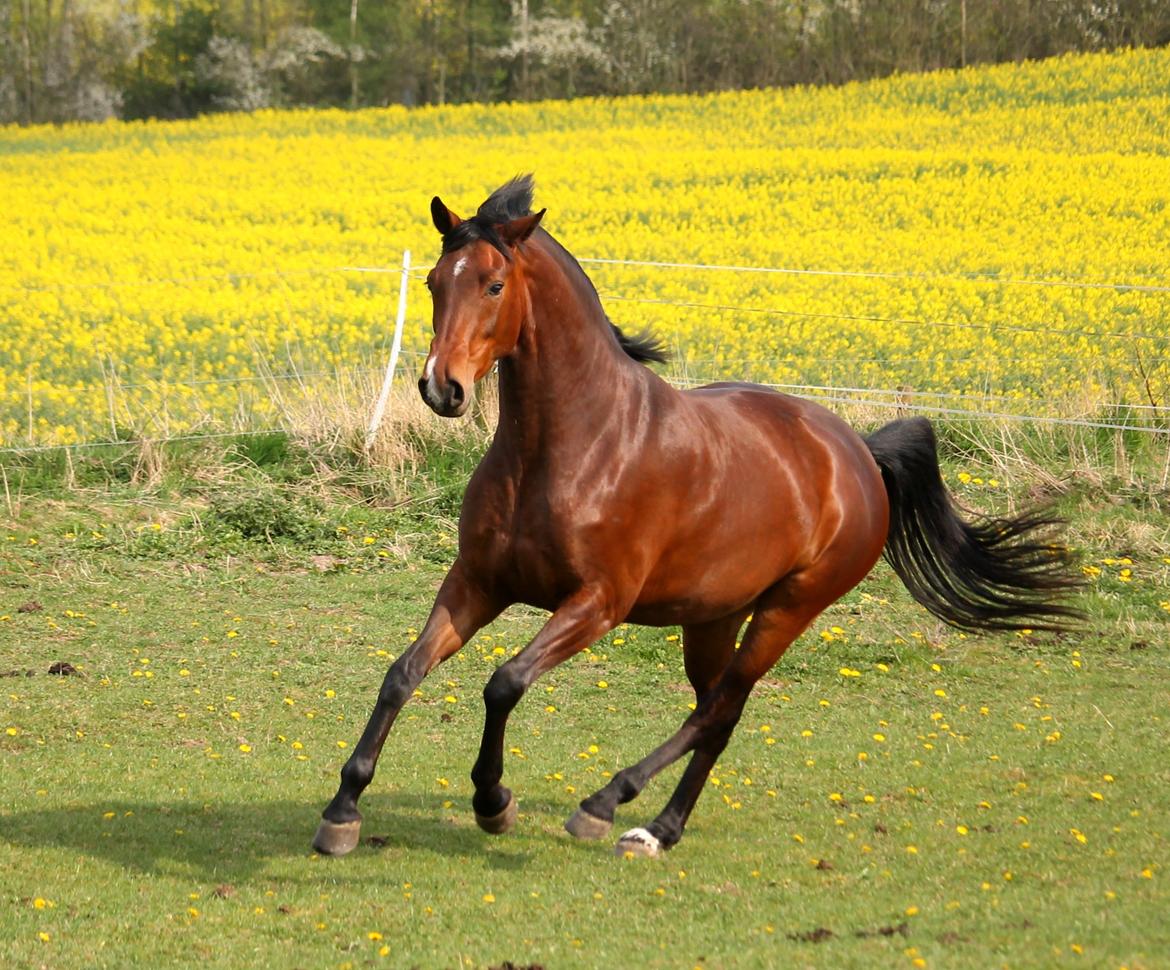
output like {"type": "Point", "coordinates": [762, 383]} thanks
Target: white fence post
{"type": "Point", "coordinates": [395, 347]}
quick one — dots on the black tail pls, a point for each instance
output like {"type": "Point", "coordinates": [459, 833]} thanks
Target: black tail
{"type": "Point", "coordinates": [992, 574]}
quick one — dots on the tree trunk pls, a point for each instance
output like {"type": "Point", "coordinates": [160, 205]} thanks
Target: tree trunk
{"type": "Point", "coordinates": [26, 49]}
{"type": "Point", "coordinates": [353, 73]}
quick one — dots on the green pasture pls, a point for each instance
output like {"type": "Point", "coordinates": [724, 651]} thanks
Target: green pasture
{"type": "Point", "coordinates": [897, 794]}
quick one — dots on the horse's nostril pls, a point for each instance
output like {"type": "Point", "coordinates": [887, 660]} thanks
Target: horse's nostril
{"type": "Point", "coordinates": [454, 394]}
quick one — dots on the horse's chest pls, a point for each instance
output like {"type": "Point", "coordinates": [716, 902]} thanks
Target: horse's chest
{"type": "Point", "coordinates": [527, 544]}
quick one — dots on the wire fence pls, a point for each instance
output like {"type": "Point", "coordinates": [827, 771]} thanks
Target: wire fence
{"type": "Point", "coordinates": [1152, 417]}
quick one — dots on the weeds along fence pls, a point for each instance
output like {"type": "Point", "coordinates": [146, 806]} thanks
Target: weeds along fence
{"type": "Point", "coordinates": [1092, 388]}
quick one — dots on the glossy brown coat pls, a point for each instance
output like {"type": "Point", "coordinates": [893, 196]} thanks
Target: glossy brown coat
{"type": "Point", "coordinates": [608, 495]}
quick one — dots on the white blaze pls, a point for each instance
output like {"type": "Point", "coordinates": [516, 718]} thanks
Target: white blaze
{"type": "Point", "coordinates": [460, 266]}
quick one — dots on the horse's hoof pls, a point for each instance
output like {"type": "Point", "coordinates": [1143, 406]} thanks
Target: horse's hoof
{"type": "Point", "coordinates": [337, 838]}
{"type": "Point", "coordinates": [582, 825]}
{"type": "Point", "coordinates": [638, 842]}
{"type": "Point", "coordinates": [499, 824]}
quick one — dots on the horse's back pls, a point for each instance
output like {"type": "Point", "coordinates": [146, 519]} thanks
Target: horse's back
{"type": "Point", "coordinates": [794, 419]}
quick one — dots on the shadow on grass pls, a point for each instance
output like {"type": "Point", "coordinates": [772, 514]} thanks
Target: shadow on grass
{"type": "Point", "coordinates": [234, 842]}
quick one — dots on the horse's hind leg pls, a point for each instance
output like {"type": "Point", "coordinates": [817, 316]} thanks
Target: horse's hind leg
{"type": "Point", "coordinates": [781, 615]}
{"type": "Point", "coordinates": [459, 610]}
{"type": "Point", "coordinates": [707, 649]}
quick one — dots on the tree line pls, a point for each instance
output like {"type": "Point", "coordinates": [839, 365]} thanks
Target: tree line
{"type": "Point", "coordinates": [65, 60]}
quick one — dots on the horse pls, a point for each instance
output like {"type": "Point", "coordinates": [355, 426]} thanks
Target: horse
{"type": "Point", "coordinates": [607, 495]}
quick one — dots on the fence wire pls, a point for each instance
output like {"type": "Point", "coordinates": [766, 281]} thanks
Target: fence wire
{"type": "Point", "coordinates": [900, 399]}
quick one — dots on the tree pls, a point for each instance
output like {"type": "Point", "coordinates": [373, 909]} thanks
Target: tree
{"type": "Point", "coordinates": [556, 56]}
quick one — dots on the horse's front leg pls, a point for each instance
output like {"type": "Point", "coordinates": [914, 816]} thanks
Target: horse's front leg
{"type": "Point", "coordinates": [575, 624]}
{"type": "Point", "coordinates": [460, 610]}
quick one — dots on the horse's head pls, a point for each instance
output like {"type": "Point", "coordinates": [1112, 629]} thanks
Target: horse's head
{"type": "Point", "coordinates": [477, 288]}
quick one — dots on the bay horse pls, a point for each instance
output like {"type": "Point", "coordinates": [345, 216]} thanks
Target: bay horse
{"type": "Point", "coordinates": [607, 496]}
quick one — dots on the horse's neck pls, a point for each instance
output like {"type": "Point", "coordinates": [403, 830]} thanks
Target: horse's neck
{"type": "Point", "coordinates": [567, 372]}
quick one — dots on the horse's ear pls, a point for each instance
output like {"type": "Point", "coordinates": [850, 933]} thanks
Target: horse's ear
{"type": "Point", "coordinates": [444, 219]}
{"type": "Point", "coordinates": [515, 232]}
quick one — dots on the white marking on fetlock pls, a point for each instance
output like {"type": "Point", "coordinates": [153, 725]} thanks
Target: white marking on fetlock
{"type": "Point", "coordinates": [639, 841]}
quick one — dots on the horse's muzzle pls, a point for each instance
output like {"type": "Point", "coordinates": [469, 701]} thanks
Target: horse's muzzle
{"type": "Point", "coordinates": [448, 400]}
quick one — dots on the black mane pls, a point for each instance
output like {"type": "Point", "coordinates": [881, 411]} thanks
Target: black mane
{"type": "Point", "coordinates": [510, 201]}
{"type": "Point", "coordinates": [644, 346]}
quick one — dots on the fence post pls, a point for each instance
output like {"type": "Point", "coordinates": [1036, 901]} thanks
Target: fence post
{"type": "Point", "coordinates": [395, 347]}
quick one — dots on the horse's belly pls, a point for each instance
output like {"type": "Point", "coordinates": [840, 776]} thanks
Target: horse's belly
{"type": "Point", "coordinates": [700, 581]}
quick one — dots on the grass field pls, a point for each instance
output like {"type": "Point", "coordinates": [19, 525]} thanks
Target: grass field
{"type": "Point", "coordinates": [996, 236]}
{"type": "Point", "coordinates": [897, 794]}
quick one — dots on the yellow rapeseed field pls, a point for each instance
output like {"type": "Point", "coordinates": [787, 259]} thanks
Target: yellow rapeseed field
{"type": "Point", "coordinates": [999, 237]}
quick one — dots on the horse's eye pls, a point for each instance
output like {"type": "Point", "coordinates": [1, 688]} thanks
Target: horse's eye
{"type": "Point", "coordinates": [496, 288]}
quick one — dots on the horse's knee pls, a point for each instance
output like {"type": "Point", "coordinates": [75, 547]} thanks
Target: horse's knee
{"type": "Point", "coordinates": [396, 688]}
{"type": "Point", "coordinates": [503, 690]}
